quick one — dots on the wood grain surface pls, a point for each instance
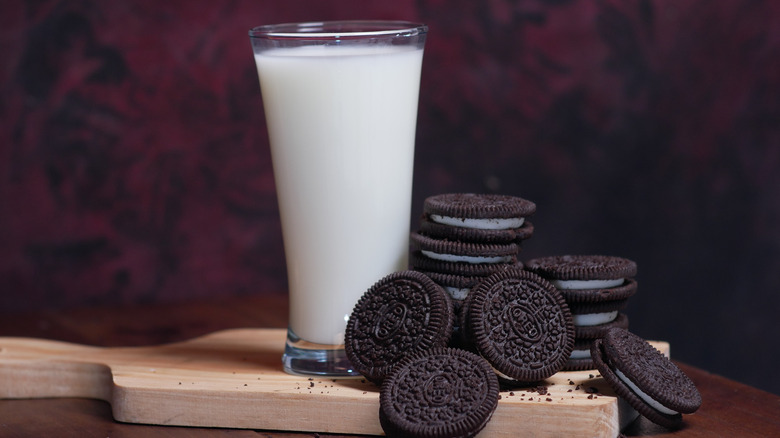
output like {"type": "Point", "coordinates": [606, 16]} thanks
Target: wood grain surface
{"type": "Point", "coordinates": [233, 379]}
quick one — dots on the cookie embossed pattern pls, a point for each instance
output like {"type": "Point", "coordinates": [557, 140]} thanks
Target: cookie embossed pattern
{"type": "Point", "coordinates": [521, 325]}
{"type": "Point", "coordinates": [402, 313]}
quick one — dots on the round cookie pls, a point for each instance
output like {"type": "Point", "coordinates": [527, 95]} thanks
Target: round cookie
{"type": "Point", "coordinates": [600, 295]}
{"type": "Point", "coordinates": [420, 262]}
{"type": "Point", "coordinates": [645, 378]}
{"type": "Point", "coordinates": [482, 211]}
{"type": "Point", "coordinates": [440, 393]}
{"type": "Point", "coordinates": [520, 323]}
{"type": "Point", "coordinates": [438, 230]}
{"type": "Point", "coordinates": [465, 252]}
{"type": "Point", "coordinates": [402, 313]}
{"type": "Point", "coordinates": [583, 271]}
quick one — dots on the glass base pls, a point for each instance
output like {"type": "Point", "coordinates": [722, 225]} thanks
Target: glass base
{"type": "Point", "coordinates": [304, 358]}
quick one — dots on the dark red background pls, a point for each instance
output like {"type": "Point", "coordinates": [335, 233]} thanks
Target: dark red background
{"type": "Point", "coordinates": [135, 164]}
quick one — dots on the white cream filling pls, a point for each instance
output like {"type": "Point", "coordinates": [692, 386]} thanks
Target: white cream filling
{"type": "Point", "coordinates": [458, 293]}
{"type": "Point", "coordinates": [480, 224]}
{"type": "Point", "coordinates": [591, 319]}
{"type": "Point", "coordinates": [502, 375]}
{"type": "Point", "coordinates": [467, 259]}
{"type": "Point", "coordinates": [580, 354]}
{"type": "Point", "coordinates": [647, 399]}
{"type": "Point", "coordinates": [586, 284]}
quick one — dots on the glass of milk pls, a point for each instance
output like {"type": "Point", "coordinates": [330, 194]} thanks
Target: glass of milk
{"type": "Point", "coordinates": [340, 102]}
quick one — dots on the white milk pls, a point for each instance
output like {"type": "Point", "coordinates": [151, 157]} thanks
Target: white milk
{"type": "Point", "coordinates": [342, 124]}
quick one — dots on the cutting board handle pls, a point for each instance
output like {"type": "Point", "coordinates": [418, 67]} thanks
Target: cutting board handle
{"type": "Point", "coordinates": [36, 368]}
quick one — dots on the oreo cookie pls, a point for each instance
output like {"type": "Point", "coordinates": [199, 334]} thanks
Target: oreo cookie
{"type": "Point", "coordinates": [477, 217]}
{"type": "Point", "coordinates": [645, 378]}
{"type": "Point", "coordinates": [464, 234]}
{"type": "Point", "coordinates": [520, 324]}
{"type": "Point", "coordinates": [583, 271]}
{"type": "Point", "coordinates": [584, 298]}
{"type": "Point", "coordinates": [404, 312]}
{"type": "Point", "coordinates": [465, 252]}
{"type": "Point", "coordinates": [420, 262]}
{"type": "Point", "coordinates": [440, 393]}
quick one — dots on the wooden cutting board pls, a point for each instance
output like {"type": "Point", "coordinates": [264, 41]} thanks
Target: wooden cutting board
{"type": "Point", "coordinates": [234, 379]}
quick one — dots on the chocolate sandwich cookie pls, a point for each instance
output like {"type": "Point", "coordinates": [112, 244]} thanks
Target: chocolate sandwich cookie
{"type": "Point", "coordinates": [441, 393]}
{"type": "Point", "coordinates": [478, 211]}
{"type": "Point", "coordinates": [454, 251]}
{"type": "Point", "coordinates": [645, 378]}
{"type": "Point", "coordinates": [583, 271]}
{"type": "Point", "coordinates": [420, 262]}
{"type": "Point", "coordinates": [520, 323]}
{"type": "Point", "coordinates": [594, 297]}
{"type": "Point", "coordinates": [438, 230]}
{"type": "Point", "coordinates": [402, 313]}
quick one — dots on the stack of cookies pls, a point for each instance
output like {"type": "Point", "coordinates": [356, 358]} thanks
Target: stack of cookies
{"type": "Point", "coordinates": [465, 237]}
{"type": "Point", "coordinates": [596, 288]}
{"type": "Point", "coordinates": [468, 317]}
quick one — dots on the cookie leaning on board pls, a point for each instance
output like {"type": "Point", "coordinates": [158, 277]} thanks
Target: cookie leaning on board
{"type": "Point", "coordinates": [596, 294]}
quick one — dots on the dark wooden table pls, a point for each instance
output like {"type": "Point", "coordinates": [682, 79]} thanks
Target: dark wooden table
{"type": "Point", "coordinates": [730, 409]}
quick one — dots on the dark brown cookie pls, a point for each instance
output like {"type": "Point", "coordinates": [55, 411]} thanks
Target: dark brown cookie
{"type": "Point", "coordinates": [582, 268]}
{"type": "Point", "coordinates": [478, 206]}
{"type": "Point", "coordinates": [420, 262]}
{"type": "Point", "coordinates": [437, 230]}
{"type": "Point", "coordinates": [402, 313]}
{"type": "Point", "coordinates": [645, 378]}
{"type": "Point", "coordinates": [441, 393]}
{"type": "Point", "coordinates": [599, 295]}
{"type": "Point", "coordinates": [465, 252]}
{"type": "Point", "coordinates": [520, 323]}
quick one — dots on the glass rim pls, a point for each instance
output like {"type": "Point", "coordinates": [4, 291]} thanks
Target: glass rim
{"type": "Point", "coordinates": [340, 29]}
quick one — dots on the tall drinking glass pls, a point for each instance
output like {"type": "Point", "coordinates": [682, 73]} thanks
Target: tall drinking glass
{"type": "Point", "coordinates": [340, 102]}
